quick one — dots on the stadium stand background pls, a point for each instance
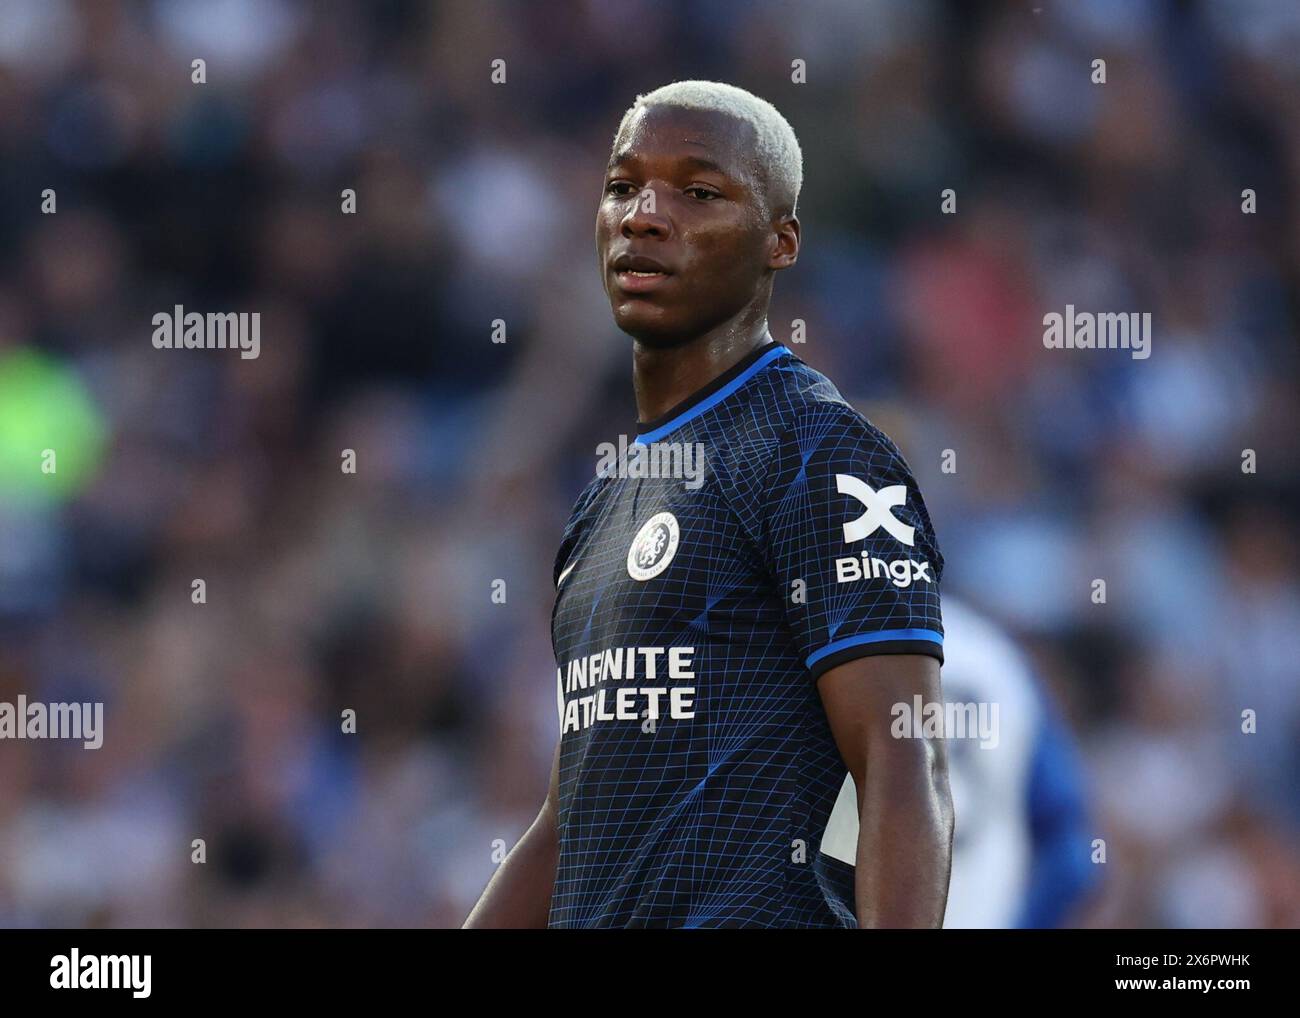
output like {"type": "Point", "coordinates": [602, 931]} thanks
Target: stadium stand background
{"type": "Point", "coordinates": [476, 202]}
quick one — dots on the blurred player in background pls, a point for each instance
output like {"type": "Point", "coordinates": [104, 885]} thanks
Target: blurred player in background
{"type": "Point", "coordinates": [1022, 843]}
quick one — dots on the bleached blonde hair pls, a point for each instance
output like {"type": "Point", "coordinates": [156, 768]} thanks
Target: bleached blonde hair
{"type": "Point", "coordinates": [779, 158]}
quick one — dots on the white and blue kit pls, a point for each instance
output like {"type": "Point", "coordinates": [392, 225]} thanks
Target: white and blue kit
{"type": "Point", "coordinates": [1021, 843]}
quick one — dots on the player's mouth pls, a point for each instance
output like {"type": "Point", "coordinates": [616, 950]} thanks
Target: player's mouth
{"type": "Point", "coordinates": [639, 274]}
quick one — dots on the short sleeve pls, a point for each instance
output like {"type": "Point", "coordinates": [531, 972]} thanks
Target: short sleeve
{"type": "Point", "coordinates": [848, 539]}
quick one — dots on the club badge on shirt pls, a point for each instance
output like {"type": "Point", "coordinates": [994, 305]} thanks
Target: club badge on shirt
{"type": "Point", "coordinates": [653, 547]}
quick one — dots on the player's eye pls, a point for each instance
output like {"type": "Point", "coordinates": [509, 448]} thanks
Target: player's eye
{"type": "Point", "coordinates": [620, 188]}
{"type": "Point", "coordinates": [702, 193]}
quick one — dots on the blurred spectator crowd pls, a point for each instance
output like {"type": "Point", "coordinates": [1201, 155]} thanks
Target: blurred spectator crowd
{"type": "Point", "coordinates": [329, 591]}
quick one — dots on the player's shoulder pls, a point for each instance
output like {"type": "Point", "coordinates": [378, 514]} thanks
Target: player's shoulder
{"type": "Point", "coordinates": [797, 412]}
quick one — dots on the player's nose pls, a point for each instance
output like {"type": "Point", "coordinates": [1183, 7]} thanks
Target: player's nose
{"type": "Point", "coordinates": [645, 218]}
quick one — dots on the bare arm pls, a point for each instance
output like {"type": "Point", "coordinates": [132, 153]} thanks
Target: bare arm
{"type": "Point", "coordinates": [519, 894]}
{"type": "Point", "coordinates": [906, 821]}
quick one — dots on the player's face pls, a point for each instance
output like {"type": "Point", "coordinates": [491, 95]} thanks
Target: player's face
{"type": "Point", "coordinates": [682, 231]}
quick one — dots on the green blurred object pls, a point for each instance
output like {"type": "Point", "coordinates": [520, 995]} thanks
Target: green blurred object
{"type": "Point", "coordinates": [44, 406]}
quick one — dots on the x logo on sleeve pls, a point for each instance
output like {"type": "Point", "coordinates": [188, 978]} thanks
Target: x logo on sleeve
{"type": "Point", "coordinates": [878, 505]}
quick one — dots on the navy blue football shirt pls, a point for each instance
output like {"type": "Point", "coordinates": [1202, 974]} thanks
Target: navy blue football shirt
{"type": "Point", "coordinates": [694, 614]}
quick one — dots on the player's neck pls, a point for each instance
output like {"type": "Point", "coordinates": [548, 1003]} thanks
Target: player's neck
{"type": "Point", "coordinates": [666, 376]}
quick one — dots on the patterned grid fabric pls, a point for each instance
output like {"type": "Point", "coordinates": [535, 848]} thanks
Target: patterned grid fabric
{"type": "Point", "coordinates": [697, 765]}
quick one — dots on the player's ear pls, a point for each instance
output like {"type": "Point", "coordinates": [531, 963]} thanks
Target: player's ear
{"type": "Point", "coordinates": [785, 246]}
